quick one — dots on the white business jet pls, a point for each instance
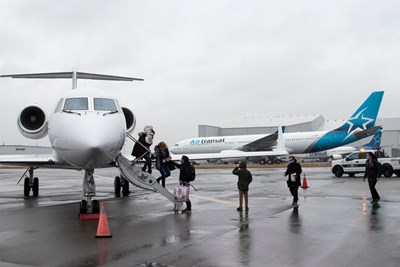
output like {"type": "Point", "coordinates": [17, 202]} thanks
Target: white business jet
{"type": "Point", "coordinates": [87, 130]}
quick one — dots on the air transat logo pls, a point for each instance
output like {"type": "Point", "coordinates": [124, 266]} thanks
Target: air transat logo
{"type": "Point", "coordinates": [357, 123]}
{"type": "Point", "coordinates": [207, 141]}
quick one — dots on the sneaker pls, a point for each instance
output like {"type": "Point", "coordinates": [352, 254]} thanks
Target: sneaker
{"type": "Point", "coordinates": [186, 211]}
{"type": "Point", "coordinates": [239, 209]}
{"type": "Point", "coordinates": [247, 209]}
{"type": "Point", "coordinates": [143, 169]}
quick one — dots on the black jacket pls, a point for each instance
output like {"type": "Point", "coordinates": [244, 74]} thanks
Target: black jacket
{"type": "Point", "coordinates": [161, 156]}
{"type": "Point", "coordinates": [371, 168]}
{"type": "Point", "coordinates": [294, 167]}
{"type": "Point", "coordinates": [184, 174]}
{"type": "Point", "coordinates": [139, 150]}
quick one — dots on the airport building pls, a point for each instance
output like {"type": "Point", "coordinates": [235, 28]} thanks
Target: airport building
{"type": "Point", "coordinates": [303, 123]}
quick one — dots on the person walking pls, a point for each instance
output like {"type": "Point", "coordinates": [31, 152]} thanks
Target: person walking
{"type": "Point", "coordinates": [163, 159]}
{"type": "Point", "coordinates": [244, 180]}
{"type": "Point", "coordinates": [372, 172]}
{"type": "Point", "coordinates": [185, 175]}
{"type": "Point", "coordinates": [293, 172]}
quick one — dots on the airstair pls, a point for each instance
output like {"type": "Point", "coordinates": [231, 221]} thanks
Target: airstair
{"type": "Point", "coordinates": [131, 172]}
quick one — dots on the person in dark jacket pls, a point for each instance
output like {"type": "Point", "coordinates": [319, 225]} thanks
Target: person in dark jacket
{"type": "Point", "coordinates": [372, 173]}
{"type": "Point", "coordinates": [184, 178]}
{"type": "Point", "coordinates": [141, 148]}
{"type": "Point", "coordinates": [244, 180]}
{"type": "Point", "coordinates": [163, 159]}
{"type": "Point", "coordinates": [293, 172]}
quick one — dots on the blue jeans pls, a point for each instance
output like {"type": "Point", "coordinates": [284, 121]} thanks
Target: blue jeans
{"type": "Point", "coordinates": [147, 162]}
{"type": "Point", "coordinates": [165, 172]}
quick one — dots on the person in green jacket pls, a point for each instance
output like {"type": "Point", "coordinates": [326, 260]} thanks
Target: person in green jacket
{"type": "Point", "coordinates": [244, 179]}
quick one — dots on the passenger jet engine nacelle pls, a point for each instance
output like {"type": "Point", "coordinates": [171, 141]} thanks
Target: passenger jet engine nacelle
{"type": "Point", "coordinates": [130, 119]}
{"type": "Point", "coordinates": [32, 122]}
{"type": "Point", "coordinates": [336, 156]}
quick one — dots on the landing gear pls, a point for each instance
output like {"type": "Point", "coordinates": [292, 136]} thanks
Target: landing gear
{"type": "Point", "coordinates": [121, 183]}
{"type": "Point", "coordinates": [125, 188]}
{"type": "Point", "coordinates": [89, 188]}
{"type": "Point", "coordinates": [27, 188]}
{"type": "Point", "coordinates": [117, 186]}
{"type": "Point", "coordinates": [31, 183]}
{"type": "Point", "coordinates": [35, 187]}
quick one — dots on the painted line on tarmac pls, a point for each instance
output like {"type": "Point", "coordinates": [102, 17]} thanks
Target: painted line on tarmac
{"type": "Point", "coordinates": [103, 177]}
{"type": "Point", "coordinates": [230, 203]}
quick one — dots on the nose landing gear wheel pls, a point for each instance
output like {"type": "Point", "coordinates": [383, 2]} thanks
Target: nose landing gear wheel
{"type": "Point", "coordinates": [96, 206]}
{"type": "Point", "coordinates": [83, 207]}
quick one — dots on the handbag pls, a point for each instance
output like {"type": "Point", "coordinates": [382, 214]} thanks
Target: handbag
{"type": "Point", "coordinates": [171, 166]}
{"type": "Point", "coordinates": [181, 192]}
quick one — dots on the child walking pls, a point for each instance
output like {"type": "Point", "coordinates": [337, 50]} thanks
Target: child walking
{"type": "Point", "coordinates": [244, 179]}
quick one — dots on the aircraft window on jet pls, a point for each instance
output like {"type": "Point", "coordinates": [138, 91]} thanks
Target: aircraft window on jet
{"type": "Point", "coordinates": [80, 103]}
{"type": "Point", "coordinates": [104, 104]}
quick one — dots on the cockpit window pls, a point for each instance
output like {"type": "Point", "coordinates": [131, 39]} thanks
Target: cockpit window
{"type": "Point", "coordinates": [79, 103]}
{"type": "Point", "coordinates": [104, 104]}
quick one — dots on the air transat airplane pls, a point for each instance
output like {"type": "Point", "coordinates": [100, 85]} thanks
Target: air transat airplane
{"type": "Point", "coordinates": [360, 125]}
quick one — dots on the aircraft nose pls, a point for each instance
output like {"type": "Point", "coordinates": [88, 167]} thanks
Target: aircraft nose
{"type": "Point", "coordinates": [97, 142]}
{"type": "Point", "coordinates": [101, 146]}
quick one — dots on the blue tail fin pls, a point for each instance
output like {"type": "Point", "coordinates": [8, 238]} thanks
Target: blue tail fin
{"type": "Point", "coordinates": [375, 142]}
{"type": "Point", "coordinates": [366, 114]}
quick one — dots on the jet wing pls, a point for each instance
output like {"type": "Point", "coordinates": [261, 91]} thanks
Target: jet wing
{"type": "Point", "coordinates": [42, 160]}
{"type": "Point", "coordinates": [230, 154]}
{"type": "Point", "coordinates": [263, 144]}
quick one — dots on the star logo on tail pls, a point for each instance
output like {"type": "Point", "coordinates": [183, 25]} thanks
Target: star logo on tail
{"type": "Point", "coordinates": [357, 121]}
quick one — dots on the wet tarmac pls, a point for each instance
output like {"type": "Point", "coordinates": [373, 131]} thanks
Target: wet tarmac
{"type": "Point", "coordinates": [335, 224]}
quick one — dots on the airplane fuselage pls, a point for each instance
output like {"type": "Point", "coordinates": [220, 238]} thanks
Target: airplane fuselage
{"type": "Point", "coordinates": [214, 144]}
{"type": "Point", "coordinates": [295, 143]}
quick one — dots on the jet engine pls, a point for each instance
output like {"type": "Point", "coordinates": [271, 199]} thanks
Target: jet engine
{"type": "Point", "coordinates": [129, 119]}
{"type": "Point", "coordinates": [32, 122]}
{"type": "Point", "coordinates": [336, 156]}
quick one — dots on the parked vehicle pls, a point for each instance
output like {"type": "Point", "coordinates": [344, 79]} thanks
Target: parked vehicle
{"type": "Point", "coordinates": [355, 163]}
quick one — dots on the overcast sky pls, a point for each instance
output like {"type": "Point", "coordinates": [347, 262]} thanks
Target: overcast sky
{"type": "Point", "coordinates": [204, 62]}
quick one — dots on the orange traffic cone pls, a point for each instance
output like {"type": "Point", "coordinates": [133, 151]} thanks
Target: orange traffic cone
{"type": "Point", "coordinates": [102, 228]}
{"type": "Point", "coordinates": [304, 186]}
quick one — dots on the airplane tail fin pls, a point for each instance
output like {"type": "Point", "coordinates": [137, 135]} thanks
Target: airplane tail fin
{"type": "Point", "coordinates": [74, 75]}
{"type": "Point", "coordinates": [365, 115]}
{"type": "Point", "coordinates": [375, 142]}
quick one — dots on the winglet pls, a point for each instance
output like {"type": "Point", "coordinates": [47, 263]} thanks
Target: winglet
{"type": "Point", "coordinates": [280, 146]}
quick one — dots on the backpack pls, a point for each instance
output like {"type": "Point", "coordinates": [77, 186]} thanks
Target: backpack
{"type": "Point", "coordinates": [380, 169]}
{"type": "Point", "coordinates": [192, 173]}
